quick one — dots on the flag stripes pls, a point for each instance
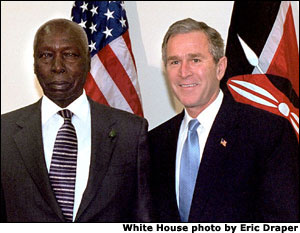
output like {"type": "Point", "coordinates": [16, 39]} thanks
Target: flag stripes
{"type": "Point", "coordinates": [112, 79]}
{"type": "Point", "coordinates": [107, 86]}
{"type": "Point", "coordinates": [119, 75]}
{"type": "Point", "coordinates": [92, 88]}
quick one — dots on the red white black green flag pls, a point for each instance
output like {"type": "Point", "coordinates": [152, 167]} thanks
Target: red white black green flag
{"type": "Point", "coordinates": [263, 58]}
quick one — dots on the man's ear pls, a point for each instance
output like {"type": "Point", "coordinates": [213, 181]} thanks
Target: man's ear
{"type": "Point", "coordinates": [221, 67]}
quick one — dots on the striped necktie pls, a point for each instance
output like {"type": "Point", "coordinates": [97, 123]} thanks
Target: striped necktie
{"type": "Point", "coordinates": [63, 165]}
{"type": "Point", "coordinates": [189, 164]}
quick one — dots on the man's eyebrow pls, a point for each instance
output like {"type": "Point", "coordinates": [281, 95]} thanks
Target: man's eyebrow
{"type": "Point", "coordinates": [193, 55]}
{"type": "Point", "coordinates": [190, 55]}
{"type": "Point", "coordinates": [48, 47]}
{"type": "Point", "coordinates": [171, 58]}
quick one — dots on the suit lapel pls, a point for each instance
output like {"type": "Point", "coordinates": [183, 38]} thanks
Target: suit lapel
{"type": "Point", "coordinates": [169, 165]}
{"type": "Point", "coordinates": [29, 141]}
{"type": "Point", "coordinates": [102, 146]}
{"type": "Point", "coordinates": [171, 139]}
{"type": "Point", "coordinates": [214, 155]}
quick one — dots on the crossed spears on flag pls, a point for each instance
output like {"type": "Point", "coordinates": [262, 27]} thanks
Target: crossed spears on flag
{"type": "Point", "coordinates": [261, 96]}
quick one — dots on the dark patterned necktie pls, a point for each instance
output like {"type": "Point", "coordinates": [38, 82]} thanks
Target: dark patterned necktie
{"type": "Point", "coordinates": [190, 160]}
{"type": "Point", "coordinates": [63, 165]}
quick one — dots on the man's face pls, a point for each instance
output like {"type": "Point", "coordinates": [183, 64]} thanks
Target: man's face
{"type": "Point", "coordinates": [192, 72]}
{"type": "Point", "coordinates": [61, 65]}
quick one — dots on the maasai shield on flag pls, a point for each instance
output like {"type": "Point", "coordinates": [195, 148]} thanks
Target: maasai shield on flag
{"type": "Point", "coordinates": [263, 58]}
{"type": "Point", "coordinates": [112, 79]}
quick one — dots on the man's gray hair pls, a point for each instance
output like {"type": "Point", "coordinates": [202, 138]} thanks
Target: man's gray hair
{"type": "Point", "coordinates": [189, 25]}
{"type": "Point", "coordinates": [67, 25]}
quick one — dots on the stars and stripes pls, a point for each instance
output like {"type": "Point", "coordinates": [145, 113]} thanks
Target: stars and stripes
{"type": "Point", "coordinates": [262, 70]}
{"type": "Point", "coordinates": [62, 173]}
{"type": "Point", "coordinates": [112, 79]}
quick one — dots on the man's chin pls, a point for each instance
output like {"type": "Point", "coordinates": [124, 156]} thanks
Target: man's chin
{"type": "Point", "coordinates": [57, 95]}
{"type": "Point", "coordinates": [58, 98]}
{"type": "Point", "coordinates": [62, 98]}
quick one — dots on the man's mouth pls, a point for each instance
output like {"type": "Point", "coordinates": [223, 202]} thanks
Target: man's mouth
{"type": "Point", "coordinates": [188, 85]}
{"type": "Point", "coordinates": [59, 86]}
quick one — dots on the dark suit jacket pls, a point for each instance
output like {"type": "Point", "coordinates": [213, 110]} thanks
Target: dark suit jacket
{"type": "Point", "coordinates": [255, 178]}
{"type": "Point", "coordinates": [117, 188]}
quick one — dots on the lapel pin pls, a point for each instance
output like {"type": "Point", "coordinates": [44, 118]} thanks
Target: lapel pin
{"type": "Point", "coordinates": [112, 133]}
{"type": "Point", "coordinates": [223, 142]}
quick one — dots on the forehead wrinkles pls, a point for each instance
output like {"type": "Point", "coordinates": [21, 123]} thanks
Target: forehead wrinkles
{"type": "Point", "coordinates": [196, 45]}
{"type": "Point", "coordinates": [59, 43]}
{"type": "Point", "coordinates": [57, 31]}
{"type": "Point", "coordinates": [60, 38]}
{"type": "Point", "coordinates": [67, 33]}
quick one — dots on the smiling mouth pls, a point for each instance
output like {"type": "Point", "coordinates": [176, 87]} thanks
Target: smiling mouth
{"type": "Point", "coordinates": [188, 85]}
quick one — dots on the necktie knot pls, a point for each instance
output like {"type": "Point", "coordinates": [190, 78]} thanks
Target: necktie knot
{"type": "Point", "coordinates": [66, 114]}
{"type": "Point", "coordinates": [193, 125]}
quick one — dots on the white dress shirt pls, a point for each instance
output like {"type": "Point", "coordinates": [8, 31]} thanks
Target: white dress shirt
{"type": "Point", "coordinates": [51, 122]}
{"type": "Point", "coordinates": [206, 119]}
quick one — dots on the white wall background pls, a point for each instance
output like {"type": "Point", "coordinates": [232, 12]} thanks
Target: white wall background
{"type": "Point", "coordinates": [148, 22]}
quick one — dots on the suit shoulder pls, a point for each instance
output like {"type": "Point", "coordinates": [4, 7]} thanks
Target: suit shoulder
{"type": "Point", "coordinates": [264, 122]}
{"type": "Point", "coordinates": [259, 115]}
{"type": "Point", "coordinates": [118, 114]}
{"type": "Point", "coordinates": [16, 114]}
{"type": "Point", "coordinates": [171, 123]}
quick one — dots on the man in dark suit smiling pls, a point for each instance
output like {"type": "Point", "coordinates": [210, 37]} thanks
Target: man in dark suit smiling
{"type": "Point", "coordinates": [218, 160]}
{"type": "Point", "coordinates": [101, 149]}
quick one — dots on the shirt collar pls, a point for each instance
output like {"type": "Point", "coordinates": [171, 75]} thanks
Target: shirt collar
{"type": "Point", "coordinates": [79, 107]}
{"type": "Point", "coordinates": [208, 115]}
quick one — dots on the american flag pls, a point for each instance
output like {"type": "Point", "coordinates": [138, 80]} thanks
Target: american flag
{"type": "Point", "coordinates": [112, 79]}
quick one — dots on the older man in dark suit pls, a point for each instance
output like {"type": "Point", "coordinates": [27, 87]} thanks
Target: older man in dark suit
{"type": "Point", "coordinates": [67, 158]}
{"type": "Point", "coordinates": [218, 160]}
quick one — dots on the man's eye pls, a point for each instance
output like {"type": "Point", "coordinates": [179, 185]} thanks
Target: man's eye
{"type": "Point", "coordinates": [70, 55]}
{"type": "Point", "coordinates": [45, 55]}
{"type": "Point", "coordinates": [174, 62]}
{"type": "Point", "coordinates": [196, 60]}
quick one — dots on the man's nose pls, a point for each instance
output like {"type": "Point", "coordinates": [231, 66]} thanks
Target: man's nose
{"type": "Point", "coordinates": [58, 65]}
{"type": "Point", "coordinates": [185, 69]}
